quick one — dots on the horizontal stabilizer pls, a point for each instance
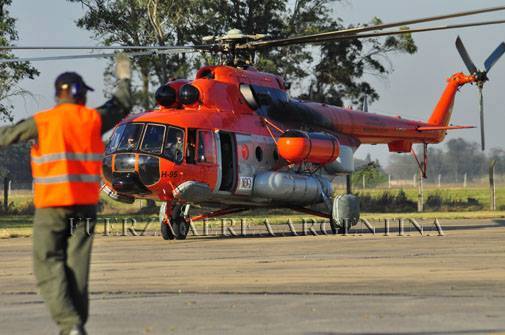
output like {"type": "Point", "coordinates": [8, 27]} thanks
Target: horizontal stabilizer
{"type": "Point", "coordinates": [438, 128]}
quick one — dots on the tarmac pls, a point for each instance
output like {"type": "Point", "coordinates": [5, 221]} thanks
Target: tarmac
{"type": "Point", "coordinates": [357, 284]}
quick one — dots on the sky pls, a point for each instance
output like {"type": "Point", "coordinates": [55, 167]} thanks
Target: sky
{"type": "Point", "coordinates": [411, 91]}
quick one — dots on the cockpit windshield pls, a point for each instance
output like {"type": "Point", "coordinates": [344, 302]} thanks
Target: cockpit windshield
{"type": "Point", "coordinates": [153, 139]}
{"type": "Point", "coordinates": [130, 137]}
{"type": "Point", "coordinates": [174, 145]}
{"type": "Point", "coordinates": [157, 140]}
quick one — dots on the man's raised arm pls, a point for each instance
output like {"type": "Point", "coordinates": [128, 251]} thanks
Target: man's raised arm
{"type": "Point", "coordinates": [120, 105]}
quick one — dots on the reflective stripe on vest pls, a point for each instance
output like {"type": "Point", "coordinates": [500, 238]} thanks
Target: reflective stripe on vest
{"type": "Point", "coordinates": [68, 156]}
{"type": "Point", "coordinates": [70, 178]}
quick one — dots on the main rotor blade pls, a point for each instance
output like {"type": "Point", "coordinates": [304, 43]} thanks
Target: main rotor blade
{"type": "Point", "coordinates": [400, 32]}
{"type": "Point", "coordinates": [494, 57]}
{"type": "Point", "coordinates": [113, 47]}
{"type": "Point", "coordinates": [482, 131]}
{"type": "Point", "coordinates": [91, 56]}
{"type": "Point", "coordinates": [465, 56]}
{"type": "Point", "coordinates": [353, 31]}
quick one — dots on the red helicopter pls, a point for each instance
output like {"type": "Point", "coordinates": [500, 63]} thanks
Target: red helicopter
{"type": "Point", "coordinates": [233, 139]}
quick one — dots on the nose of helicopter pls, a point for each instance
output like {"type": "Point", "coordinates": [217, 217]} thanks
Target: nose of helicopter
{"type": "Point", "coordinates": [132, 173]}
{"type": "Point", "coordinates": [129, 183]}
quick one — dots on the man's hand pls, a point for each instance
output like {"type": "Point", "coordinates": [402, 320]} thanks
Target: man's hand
{"type": "Point", "coordinates": [123, 67]}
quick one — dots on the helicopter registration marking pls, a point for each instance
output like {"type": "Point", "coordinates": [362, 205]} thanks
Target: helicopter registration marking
{"type": "Point", "coordinates": [245, 184]}
{"type": "Point", "coordinates": [170, 174]}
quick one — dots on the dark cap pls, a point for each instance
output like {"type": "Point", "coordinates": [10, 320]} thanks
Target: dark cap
{"type": "Point", "coordinates": [67, 79]}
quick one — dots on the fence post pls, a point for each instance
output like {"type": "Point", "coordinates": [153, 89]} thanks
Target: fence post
{"type": "Point", "coordinates": [6, 193]}
{"type": "Point", "coordinates": [439, 180]}
{"type": "Point", "coordinates": [492, 187]}
{"type": "Point", "coordinates": [464, 180]}
{"type": "Point", "coordinates": [364, 182]}
{"type": "Point", "coordinates": [389, 181]}
{"type": "Point", "coordinates": [420, 193]}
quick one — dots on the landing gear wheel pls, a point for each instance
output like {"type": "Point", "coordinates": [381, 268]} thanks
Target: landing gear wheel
{"type": "Point", "coordinates": [345, 213]}
{"type": "Point", "coordinates": [180, 225]}
{"type": "Point", "coordinates": [166, 232]}
{"type": "Point", "coordinates": [177, 227]}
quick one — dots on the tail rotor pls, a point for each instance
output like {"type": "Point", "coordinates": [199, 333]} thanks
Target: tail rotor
{"type": "Point", "coordinates": [481, 77]}
{"type": "Point", "coordinates": [481, 104]}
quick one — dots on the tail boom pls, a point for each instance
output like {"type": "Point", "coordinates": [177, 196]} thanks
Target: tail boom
{"type": "Point", "coordinates": [369, 128]}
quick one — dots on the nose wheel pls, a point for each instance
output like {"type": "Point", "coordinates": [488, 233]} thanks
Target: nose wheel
{"type": "Point", "coordinates": [174, 221]}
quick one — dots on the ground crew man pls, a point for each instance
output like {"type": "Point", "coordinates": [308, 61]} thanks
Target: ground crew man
{"type": "Point", "coordinates": [66, 168]}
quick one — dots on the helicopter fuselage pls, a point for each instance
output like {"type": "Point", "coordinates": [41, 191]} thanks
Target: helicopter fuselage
{"type": "Point", "coordinates": [214, 140]}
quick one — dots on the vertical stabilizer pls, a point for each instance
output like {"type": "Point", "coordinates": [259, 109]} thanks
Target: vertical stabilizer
{"type": "Point", "coordinates": [442, 113]}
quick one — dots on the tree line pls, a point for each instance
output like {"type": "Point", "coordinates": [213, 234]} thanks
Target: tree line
{"type": "Point", "coordinates": [457, 158]}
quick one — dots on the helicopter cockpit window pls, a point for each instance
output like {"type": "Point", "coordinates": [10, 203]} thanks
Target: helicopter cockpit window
{"type": "Point", "coordinates": [130, 137]}
{"type": "Point", "coordinates": [206, 147]}
{"type": "Point", "coordinates": [153, 139]}
{"type": "Point", "coordinates": [174, 145]}
{"type": "Point", "coordinates": [114, 140]}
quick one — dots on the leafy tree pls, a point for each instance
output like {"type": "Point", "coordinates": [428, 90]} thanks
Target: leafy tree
{"type": "Point", "coordinates": [465, 157]}
{"type": "Point", "coordinates": [10, 73]}
{"type": "Point", "coordinates": [143, 22]}
{"type": "Point", "coordinates": [372, 172]}
{"type": "Point", "coordinates": [330, 73]}
{"type": "Point", "coordinates": [338, 75]}
{"type": "Point", "coordinates": [499, 156]}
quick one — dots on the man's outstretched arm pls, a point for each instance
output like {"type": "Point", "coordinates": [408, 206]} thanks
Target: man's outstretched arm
{"type": "Point", "coordinates": [120, 105]}
{"type": "Point", "coordinates": [115, 109]}
{"type": "Point", "coordinates": [22, 131]}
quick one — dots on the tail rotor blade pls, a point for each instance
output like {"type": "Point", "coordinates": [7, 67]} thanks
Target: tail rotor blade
{"type": "Point", "coordinates": [482, 132]}
{"type": "Point", "coordinates": [465, 56]}
{"type": "Point", "coordinates": [494, 57]}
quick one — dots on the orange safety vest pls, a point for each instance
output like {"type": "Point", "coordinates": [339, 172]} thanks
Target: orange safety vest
{"type": "Point", "coordinates": [67, 159]}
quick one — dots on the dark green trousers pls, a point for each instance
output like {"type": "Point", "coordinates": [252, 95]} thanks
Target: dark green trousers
{"type": "Point", "coordinates": [62, 242]}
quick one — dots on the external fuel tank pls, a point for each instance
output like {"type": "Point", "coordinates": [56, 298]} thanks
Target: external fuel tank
{"type": "Point", "coordinates": [291, 188]}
